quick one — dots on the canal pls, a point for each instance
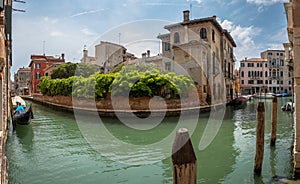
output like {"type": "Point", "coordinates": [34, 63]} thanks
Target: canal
{"type": "Point", "coordinates": [58, 147]}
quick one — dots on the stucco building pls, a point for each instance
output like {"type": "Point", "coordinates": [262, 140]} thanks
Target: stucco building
{"type": "Point", "coordinates": [22, 81]}
{"type": "Point", "coordinates": [205, 50]}
{"type": "Point", "coordinates": [280, 78]}
{"type": "Point", "coordinates": [254, 76]}
{"type": "Point", "coordinates": [293, 61]}
{"type": "Point", "coordinates": [107, 55]}
{"type": "Point", "coordinates": [37, 65]}
{"type": "Point", "coordinates": [5, 65]}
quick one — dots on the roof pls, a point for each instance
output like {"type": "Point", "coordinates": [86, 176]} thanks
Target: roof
{"type": "Point", "coordinates": [212, 19]}
{"type": "Point", "coordinates": [44, 58]}
{"type": "Point", "coordinates": [110, 43]}
{"type": "Point", "coordinates": [254, 60]}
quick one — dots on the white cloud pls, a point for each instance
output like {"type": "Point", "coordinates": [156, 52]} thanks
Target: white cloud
{"type": "Point", "coordinates": [198, 1]}
{"type": "Point", "coordinates": [86, 12]}
{"type": "Point", "coordinates": [88, 32]}
{"type": "Point", "coordinates": [244, 38]}
{"type": "Point", "coordinates": [265, 2]}
{"type": "Point", "coordinates": [56, 33]}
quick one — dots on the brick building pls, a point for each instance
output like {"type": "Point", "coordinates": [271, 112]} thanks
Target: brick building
{"type": "Point", "coordinates": [38, 64]}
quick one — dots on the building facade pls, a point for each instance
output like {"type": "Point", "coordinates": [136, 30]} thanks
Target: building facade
{"type": "Point", "coordinates": [293, 61]}
{"type": "Point", "coordinates": [280, 78]}
{"type": "Point", "coordinates": [5, 66]}
{"type": "Point", "coordinates": [107, 55]}
{"type": "Point", "coordinates": [205, 50]}
{"type": "Point", "coordinates": [22, 81]}
{"type": "Point", "coordinates": [37, 65]}
{"type": "Point", "coordinates": [254, 76]}
{"type": "Point", "coordinates": [267, 74]}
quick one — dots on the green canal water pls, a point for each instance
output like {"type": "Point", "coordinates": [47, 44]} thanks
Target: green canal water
{"type": "Point", "coordinates": [55, 148]}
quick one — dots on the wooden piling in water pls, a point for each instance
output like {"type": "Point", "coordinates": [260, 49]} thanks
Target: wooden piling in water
{"type": "Point", "coordinates": [184, 159]}
{"type": "Point", "coordinates": [274, 122]}
{"type": "Point", "coordinates": [260, 133]}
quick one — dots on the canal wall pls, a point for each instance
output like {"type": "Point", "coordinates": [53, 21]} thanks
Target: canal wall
{"type": "Point", "coordinates": [142, 106]}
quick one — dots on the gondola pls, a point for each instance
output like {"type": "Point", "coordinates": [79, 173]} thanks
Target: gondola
{"type": "Point", "coordinates": [22, 118]}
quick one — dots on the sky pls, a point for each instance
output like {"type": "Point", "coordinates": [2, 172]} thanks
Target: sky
{"type": "Point", "coordinates": [68, 26]}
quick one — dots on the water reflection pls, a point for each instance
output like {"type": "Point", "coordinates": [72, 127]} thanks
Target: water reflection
{"type": "Point", "coordinates": [54, 147]}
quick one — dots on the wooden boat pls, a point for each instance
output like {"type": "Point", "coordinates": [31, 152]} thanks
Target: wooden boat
{"type": "Point", "coordinates": [22, 118]}
{"type": "Point", "coordinates": [240, 102]}
{"type": "Point", "coordinates": [19, 99]}
{"type": "Point", "coordinates": [264, 95]}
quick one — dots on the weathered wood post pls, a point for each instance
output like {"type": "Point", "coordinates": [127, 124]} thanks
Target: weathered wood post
{"type": "Point", "coordinates": [260, 133]}
{"type": "Point", "coordinates": [184, 159]}
{"type": "Point", "coordinates": [274, 122]}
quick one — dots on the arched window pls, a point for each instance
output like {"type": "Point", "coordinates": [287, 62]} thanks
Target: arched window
{"type": "Point", "coordinates": [203, 34]}
{"type": "Point", "coordinates": [176, 38]}
{"type": "Point", "coordinates": [213, 35]}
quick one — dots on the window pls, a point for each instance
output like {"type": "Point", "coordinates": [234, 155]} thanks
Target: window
{"type": "Point", "coordinates": [266, 74]}
{"type": "Point", "coordinates": [257, 64]}
{"type": "Point", "coordinates": [242, 81]}
{"type": "Point", "coordinates": [242, 74]}
{"type": "Point", "coordinates": [266, 81]}
{"type": "Point", "coordinates": [176, 38]}
{"type": "Point", "coordinates": [37, 75]}
{"type": "Point", "coordinates": [281, 54]}
{"type": "Point", "coordinates": [266, 65]}
{"type": "Point", "coordinates": [260, 82]}
{"type": "Point", "coordinates": [250, 82]}
{"type": "Point", "coordinates": [167, 46]}
{"type": "Point", "coordinates": [249, 74]}
{"type": "Point", "coordinates": [270, 53]}
{"type": "Point", "coordinates": [203, 34]}
{"type": "Point", "coordinates": [213, 35]}
{"type": "Point", "coordinates": [37, 65]}
{"type": "Point", "coordinates": [242, 64]}
{"type": "Point", "coordinates": [168, 66]}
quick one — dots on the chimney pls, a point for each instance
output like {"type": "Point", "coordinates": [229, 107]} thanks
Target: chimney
{"type": "Point", "coordinates": [186, 15]}
{"type": "Point", "coordinates": [63, 56]}
{"type": "Point", "coordinates": [85, 53]}
{"type": "Point", "coordinates": [148, 53]}
{"type": "Point", "coordinates": [144, 55]}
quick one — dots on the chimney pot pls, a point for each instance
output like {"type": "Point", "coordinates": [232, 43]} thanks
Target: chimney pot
{"type": "Point", "coordinates": [148, 53]}
{"type": "Point", "coordinates": [186, 15]}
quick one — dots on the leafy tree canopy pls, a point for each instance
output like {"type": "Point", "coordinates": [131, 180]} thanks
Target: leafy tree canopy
{"type": "Point", "coordinates": [73, 69]}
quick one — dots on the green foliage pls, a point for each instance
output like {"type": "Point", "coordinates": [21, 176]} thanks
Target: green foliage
{"type": "Point", "coordinates": [150, 83]}
{"type": "Point", "coordinates": [130, 82]}
{"type": "Point", "coordinates": [73, 69]}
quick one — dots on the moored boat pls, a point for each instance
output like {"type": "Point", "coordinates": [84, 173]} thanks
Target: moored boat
{"type": "Point", "coordinates": [264, 95]}
{"type": "Point", "coordinates": [23, 117]}
{"type": "Point", "coordinates": [19, 99]}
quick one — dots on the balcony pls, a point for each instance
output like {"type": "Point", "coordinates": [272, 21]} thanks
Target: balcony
{"type": "Point", "coordinates": [273, 77]}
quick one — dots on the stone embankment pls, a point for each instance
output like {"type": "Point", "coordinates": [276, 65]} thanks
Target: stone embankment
{"type": "Point", "coordinates": [142, 106]}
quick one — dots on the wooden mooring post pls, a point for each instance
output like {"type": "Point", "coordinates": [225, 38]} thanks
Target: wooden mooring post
{"type": "Point", "coordinates": [260, 133]}
{"type": "Point", "coordinates": [274, 122]}
{"type": "Point", "coordinates": [184, 159]}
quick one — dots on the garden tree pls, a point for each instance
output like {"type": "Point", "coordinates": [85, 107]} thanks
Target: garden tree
{"type": "Point", "coordinates": [71, 69]}
{"type": "Point", "coordinates": [138, 81]}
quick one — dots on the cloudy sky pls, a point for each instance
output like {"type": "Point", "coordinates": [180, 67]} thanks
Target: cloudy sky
{"type": "Point", "coordinates": [66, 26]}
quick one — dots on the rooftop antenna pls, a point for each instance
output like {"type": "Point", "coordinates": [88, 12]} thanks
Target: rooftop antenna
{"type": "Point", "coordinates": [191, 8]}
{"type": "Point", "coordinates": [18, 10]}
{"type": "Point", "coordinates": [158, 45]}
{"type": "Point", "coordinates": [44, 45]}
